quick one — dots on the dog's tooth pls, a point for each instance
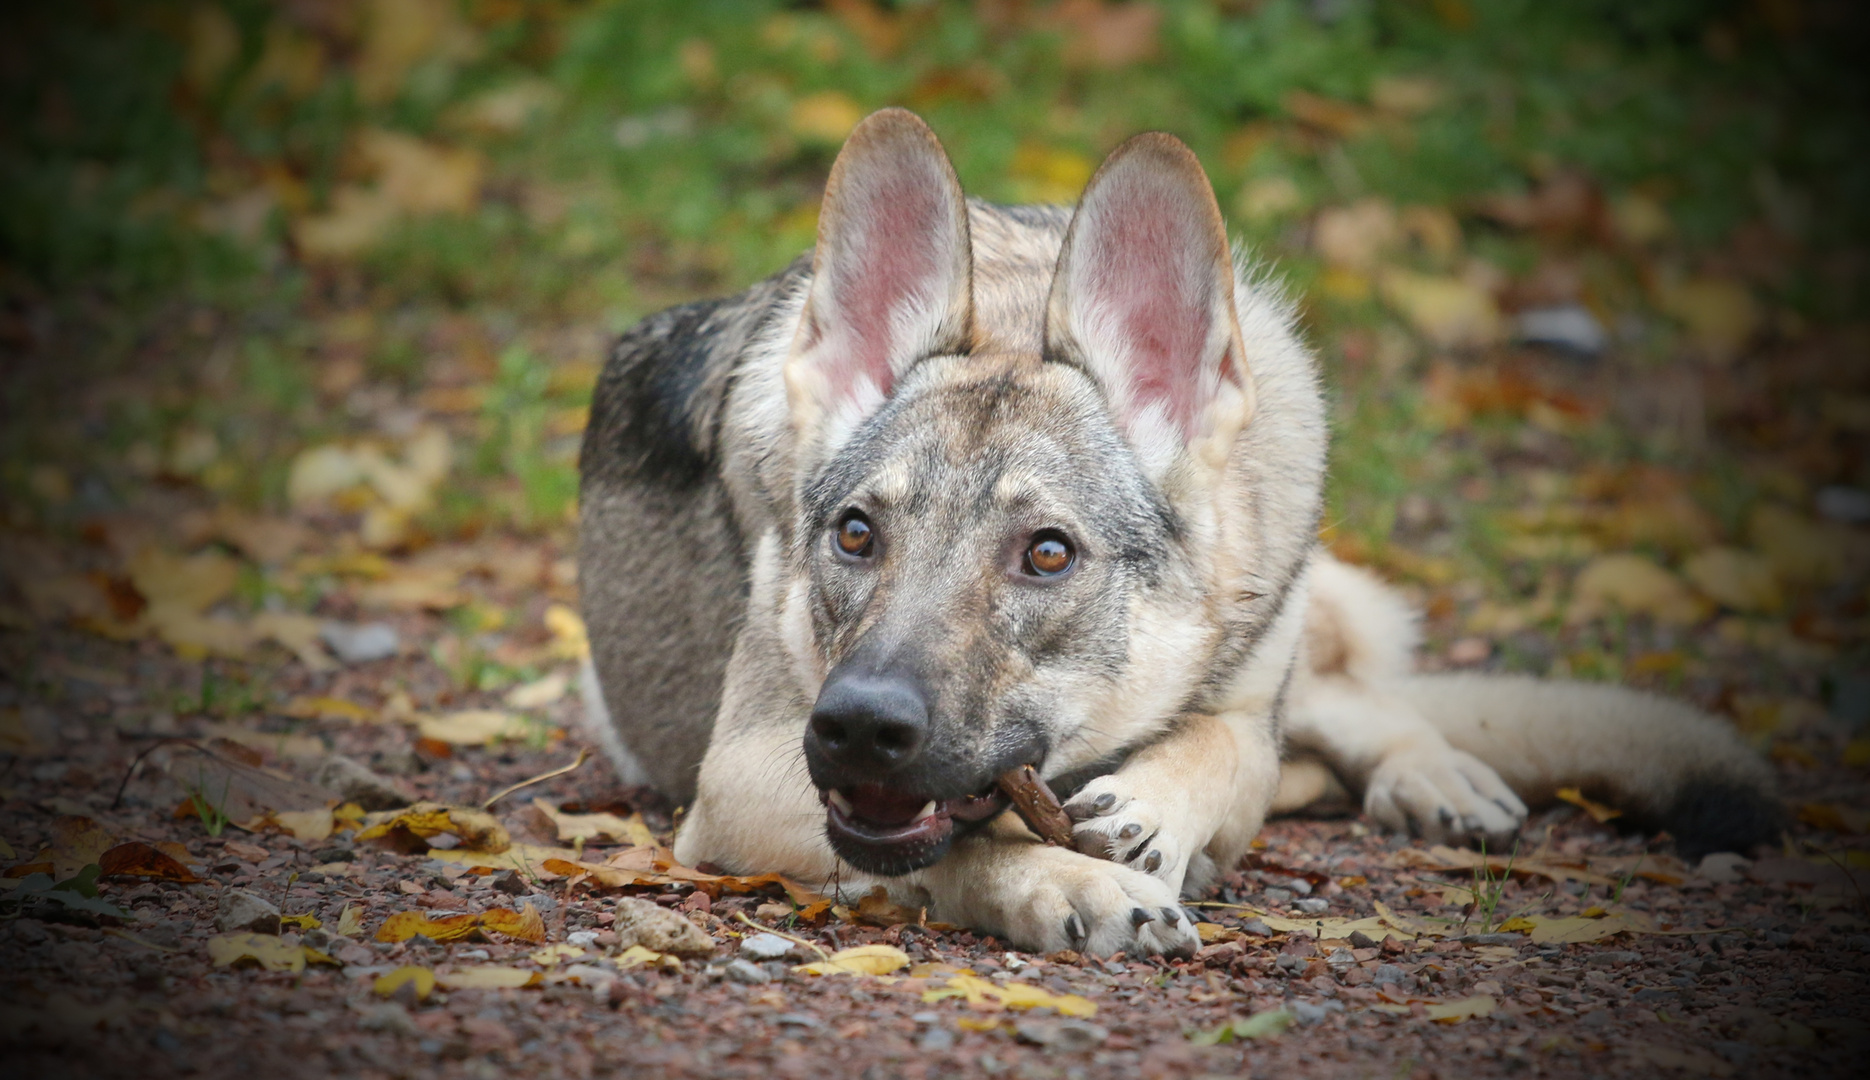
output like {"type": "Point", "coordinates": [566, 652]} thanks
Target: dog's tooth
{"type": "Point", "coordinates": [928, 811]}
{"type": "Point", "coordinates": [838, 800]}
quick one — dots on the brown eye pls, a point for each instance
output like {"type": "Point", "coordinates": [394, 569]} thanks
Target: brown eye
{"type": "Point", "coordinates": [1049, 556]}
{"type": "Point", "coordinates": [855, 537]}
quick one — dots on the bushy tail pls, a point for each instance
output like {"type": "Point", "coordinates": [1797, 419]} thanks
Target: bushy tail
{"type": "Point", "coordinates": [1666, 764]}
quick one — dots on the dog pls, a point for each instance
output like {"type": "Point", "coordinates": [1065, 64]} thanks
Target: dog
{"type": "Point", "coordinates": [973, 486]}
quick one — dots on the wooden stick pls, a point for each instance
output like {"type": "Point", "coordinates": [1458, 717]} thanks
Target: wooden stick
{"type": "Point", "coordinates": [1037, 806]}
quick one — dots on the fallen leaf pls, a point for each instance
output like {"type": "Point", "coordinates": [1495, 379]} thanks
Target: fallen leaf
{"type": "Point", "coordinates": [404, 925]}
{"type": "Point", "coordinates": [825, 118]}
{"type": "Point", "coordinates": [1261, 1025]}
{"type": "Point", "coordinates": [421, 978]}
{"type": "Point", "coordinates": [980, 993]}
{"type": "Point", "coordinates": [270, 951]}
{"type": "Point", "coordinates": [298, 634]}
{"type": "Point", "coordinates": [420, 176]}
{"type": "Point", "coordinates": [189, 584]}
{"type": "Point", "coordinates": [243, 792]}
{"type": "Point", "coordinates": [1355, 237]}
{"type": "Point", "coordinates": [861, 960]}
{"type": "Point", "coordinates": [1635, 585]}
{"type": "Point", "coordinates": [303, 824]}
{"type": "Point", "coordinates": [877, 909]}
{"type": "Point", "coordinates": [138, 859]}
{"type": "Point", "coordinates": [1441, 857]}
{"type": "Point", "coordinates": [1453, 1012]}
{"type": "Point", "coordinates": [604, 828]}
{"type": "Point", "coordinates": [1598, 811]}
{"type": "Point", "coordinates": [1803, 551]}
{"type": "Point", "coordinates": [638, 956]}
{"type": "Point", "coordinates": [1099, 33]}
{"type": "Point", "coordinates": [328, 708]}
{"type": "Point", "coordinates": [569, 640]}
{"type": "Point", "coordinates": [488, 977]}
{"type": "Point", "coordinates": [553, 954]}
{"type": "Point", "coordinates": [522, 925]}
{"type": "Point", "coordinates": [1735, 579]}
{"type": "Point", "coordinates": [1720, 315]}
{"type": "Point", "coordinates": [1449, 312]}
{"type": "Point", "coordinates": [528, 859]}
{"type": "Point", "coordinates": [655, 865]}
{"type": "Point", "coordinates": [472, 727]}
{"type": "Point", "coordinates": [1835, 818]}
{"type": "Point", "coordinates": [537, 695]}
{"type": "Point", "coordinates": [77, 842]}
{"type": "Point", "coordinates": [475, 828]}
{"type": "Point", "coordinates": [351, 921]}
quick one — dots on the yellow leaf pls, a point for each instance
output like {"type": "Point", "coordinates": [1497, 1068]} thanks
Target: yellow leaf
{"type": "Point", "coordinates": [471, 727]}
{"type": "Point", "coordinates": [980, 993]}
{"type": "Point", "coordinates": [1517, 925]}
{"type": "Point", "coordinates": [1213, 932]}
{"type": "Point", "coordinates": [77, 842]}
{"type": "Point", "coordinates": [391, 981]}
{"type": "Point", "coordinates": [522, 925]}
{"type": "Point", "coordinates": [304, 824]}
{"type": "Point", "coordinates": [1574, 929]}
{"type": "Point", "coordinates": [1448, 311]}
{"type": "Point", "coordinates": [537, 695]}
{"type": "Point", "coordinates": [1598, 811]}
{"type": "Point", "coordinates": [1453, 1012]}
{"type": "Point", "coordinates": [1735, 579]}
{"type": "Point", "coordinates": [269, 951]}
{"type": "Point", "coordinates": [601, 827]}
{"type": "Point", "coordinates": [189, 584]}
{"type": "Point", "coordinates": [1635, 585]}
{"type": "Point", "coordinates": [407, 924]}
{"type": "Point", "coordinates": [552, 954]}
{"type": "Point", "coordinates": [1720, 315]}
{"type": "Point", "coordinates": [825, 118]}
{"type": "Point", "coordinates": [638, 956]}
{"type": "Point", "coordinates": [490, 977]}
{"type": "Point", "coordinates": [972, 1023]}
{"type": "Point", "coordinates": [861, 960]}
{"type": "Point", "coordinates": [476, 829]}
{"type": "Point", "coordinates": [568, 635]}
{"type": "Point", "coordinates": [351, 921]}
{"type": "Point", "coordinates": [298, 634]}
{"type": "Point", "coordinates": [307, 921]}
{"type": "Point", "coordinates": [528, 859]}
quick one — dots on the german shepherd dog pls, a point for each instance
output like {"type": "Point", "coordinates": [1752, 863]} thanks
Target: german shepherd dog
{"type": "Point", "coordinates": [975, 486]}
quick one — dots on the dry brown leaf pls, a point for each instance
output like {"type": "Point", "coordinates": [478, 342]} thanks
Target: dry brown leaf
{"type": "Point", "coordinates": [138, 859]}
{"type": "Point", "coordinates": [528, 859]}
{"type": "Point", "coordinates": [1449, 312]}
{"type": "Point", "coordinates": [328, 708]}
{"type": "Point", "coordinates": [601, 827]}
{"type": "Point", "coordinates": [472, 727]}
{"type": "Point", "coordinates": [1720, 315]}
{"type": "Point", "coordinates": [877, 909]}
{"type": "Point", "coordinates": [268, 951]}
{"type": "Point", "coordinates": [475, 829]}
{"type": "Point", "coordinates": [421, 979]}
{"type": "Point", "coordinates": [488, 977]}
{"type": "Point", "coordinates": [242, 791]}
{"type": "Point", "coordinates": [523, 925]}
{"type": "Point", "coordinates": [187, 584]}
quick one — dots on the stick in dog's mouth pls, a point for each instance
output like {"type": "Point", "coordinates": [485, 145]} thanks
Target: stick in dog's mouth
{"type": "Point", "coordinates": [1036, 805]}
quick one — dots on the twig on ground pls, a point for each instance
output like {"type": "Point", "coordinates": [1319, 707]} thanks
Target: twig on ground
{"type": "Point", "coordinates": [583, 754]}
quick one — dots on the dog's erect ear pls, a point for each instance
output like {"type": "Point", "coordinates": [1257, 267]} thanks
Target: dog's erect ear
{"type": "Point", "coordinates": [890, 276]}
{"type": "Point", "coordinates": [1143, 299]}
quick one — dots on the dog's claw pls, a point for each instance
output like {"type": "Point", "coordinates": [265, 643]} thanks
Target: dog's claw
{"type": "Point", "coordinates": [1139, 916]}
{"type": "Point", "coordinates": [1171, 915]}
{"type": "Point", "coordinates": [1153, 863]}
{"type": "Point", "coordinates": [1074, 930]}
{"type": "Point", "coordinates": [1130, 831]}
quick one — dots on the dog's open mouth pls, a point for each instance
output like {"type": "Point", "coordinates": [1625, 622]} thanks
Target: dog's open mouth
{"type": "Point", "coordinates": [884, 831]}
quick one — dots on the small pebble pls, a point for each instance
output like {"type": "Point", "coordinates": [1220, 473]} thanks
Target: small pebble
{"type": "Point", "coordinates": [361, 643]}
{"type": "Point", "coordinates": [765, 947]}
{"type": "Point", "coordinates": [745, 971]}
{"type": "Point", "coordinates": [1312, 905]}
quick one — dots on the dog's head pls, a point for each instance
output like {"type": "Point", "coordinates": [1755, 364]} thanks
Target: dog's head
{"type": "Point", "coordinates": [999, 554]}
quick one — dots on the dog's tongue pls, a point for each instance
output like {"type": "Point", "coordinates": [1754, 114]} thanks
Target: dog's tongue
{"type": "Point", "coordinates": [875, 803]}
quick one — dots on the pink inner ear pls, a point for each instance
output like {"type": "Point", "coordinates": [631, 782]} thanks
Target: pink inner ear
{"type": "Point", "coordinates": [887, 250]}
{"type": "Point", "coordinates": [1150, 269]}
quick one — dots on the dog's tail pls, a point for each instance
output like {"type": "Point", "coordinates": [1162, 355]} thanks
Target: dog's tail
{"type": "Point", "coordinates": [1663, 763]}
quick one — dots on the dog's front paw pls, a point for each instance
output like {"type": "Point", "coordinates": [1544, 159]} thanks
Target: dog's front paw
{"type": "Point", "coordinates": [1440, 793]}
{"type": "Point", "coordinates": [1096, 907]}
{"type": "Point", "coordinates": [1111, 822]}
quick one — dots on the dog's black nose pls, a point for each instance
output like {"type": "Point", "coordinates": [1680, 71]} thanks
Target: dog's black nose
{"type": "Point", "coordinates": [869, 723]}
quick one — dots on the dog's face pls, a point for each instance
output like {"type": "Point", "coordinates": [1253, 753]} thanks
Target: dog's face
{"type": "Point", "coordinates": [985, 541]}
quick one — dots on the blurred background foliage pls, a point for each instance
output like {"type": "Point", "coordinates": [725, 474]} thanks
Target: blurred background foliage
{"type": "Point", "coordinates": [1586, 276]}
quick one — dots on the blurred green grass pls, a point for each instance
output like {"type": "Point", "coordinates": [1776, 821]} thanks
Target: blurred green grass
{"type": "Point", "coordinates": [319, 218]}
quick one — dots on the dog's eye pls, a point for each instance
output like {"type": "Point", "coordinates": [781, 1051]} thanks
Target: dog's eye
{"type": "Point", "coordinates": [1049, 555]}
{"type": "Point", "coordinates": [855, 537]}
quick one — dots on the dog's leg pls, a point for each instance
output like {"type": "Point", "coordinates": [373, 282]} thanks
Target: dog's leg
{"type": "Point", "coordinates": [1005, 882]}
{"type": "Point", "coordinates": [1412, 780]}
{"type": "Point", "coordinates": [1158, 812]}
